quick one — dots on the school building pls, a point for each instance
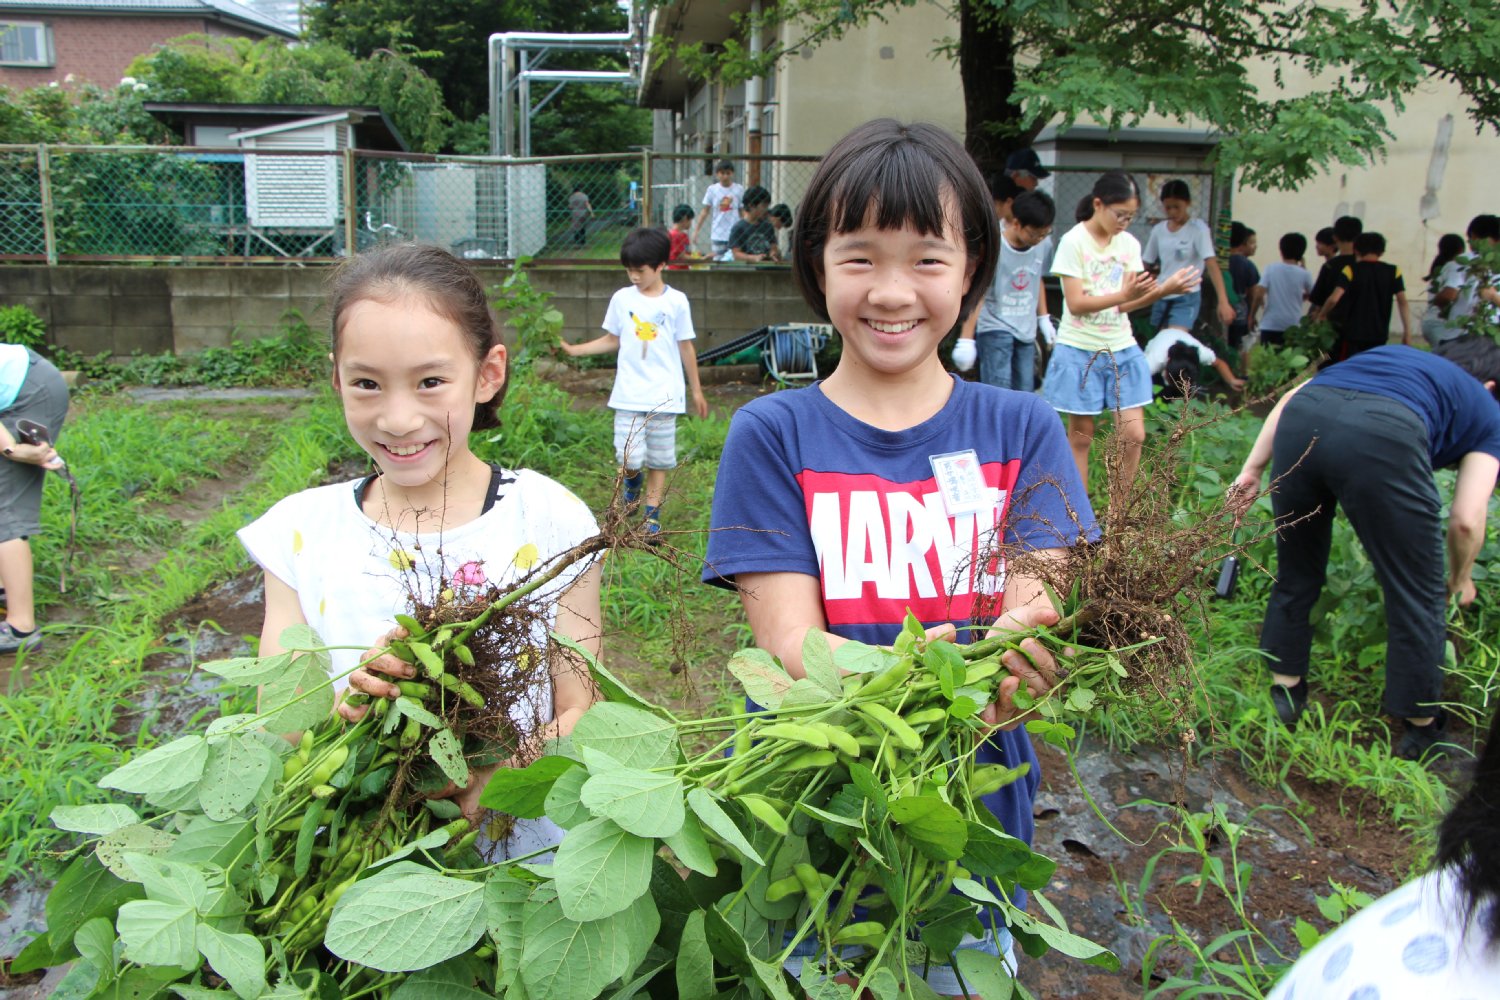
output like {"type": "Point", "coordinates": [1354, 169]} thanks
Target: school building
{"type": "Point", "coordinates": [1426, 184]}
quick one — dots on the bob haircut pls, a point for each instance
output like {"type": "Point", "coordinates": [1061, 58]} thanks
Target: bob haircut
{"type": "Point", "coordinates": [435, 277]}
{"type": "Point", "coordinates": [891, 176]}
{"type": "Point", "coordinates": [645, 246]}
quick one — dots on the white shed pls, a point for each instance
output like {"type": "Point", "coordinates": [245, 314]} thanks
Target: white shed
{"type": "Point", "coordinates": [294, 192]}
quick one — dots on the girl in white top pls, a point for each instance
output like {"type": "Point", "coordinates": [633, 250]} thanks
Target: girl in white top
{"type": "Point", "coordinates": [418, 364]}
{"type": "Point", "coordinates": [1097, 365]}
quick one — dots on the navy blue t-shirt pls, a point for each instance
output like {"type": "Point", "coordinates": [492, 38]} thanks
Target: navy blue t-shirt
{"type": "Point", "coordinates": [1460, 414]}
{"type": "Point", "coordinates": [859, 508]}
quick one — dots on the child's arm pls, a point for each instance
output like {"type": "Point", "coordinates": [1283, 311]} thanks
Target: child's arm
{"type": "Point", "coordinates": [1471, 496]}
{"type": "Point", "coordinates": [1405, 318]}
{"type": "Point", "coordinates": [690, 369]}
{"type": "Point", "coordinates": [1136, 286]}
{"type": "Point", "coordinates": [698, 225]}
{"type": "Point", "coordinates": [605, 344]}
{"type": "Point", "coordinates": [1328, 304]}
{"type": "Point", "coordinates": [1026, 606]}
{"type": "Point", "coordinates": [1247, 484]}
{"type": "Point", "coordinates": [1257, 303]}
{"type": "Point", "coordinates": [1216, 278]}
{"type": "Point", "coordinates": [1227, 374]}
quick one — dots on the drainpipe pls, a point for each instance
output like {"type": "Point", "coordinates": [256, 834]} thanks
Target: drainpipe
{"type": "Point", "coordinates": [752, 100]}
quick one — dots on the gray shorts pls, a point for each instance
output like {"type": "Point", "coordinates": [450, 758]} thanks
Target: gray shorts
{"type": "Point", "coordinates": [43, 398]}
{"type": "Point", "coordinates": [645, 439]}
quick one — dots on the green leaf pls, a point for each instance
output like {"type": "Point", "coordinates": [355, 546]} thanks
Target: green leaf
{"type": "Point", "coordinates": [601, 869]}
{"type": "Point", "coordinates": [984, 974]}
{"type": "Point", "coordinates": [95, 942]}
{"type": "Point", "coordinates": [307, 834]}
{"type": "Point", "coordinates": [691, 848]}
{"type": "Point", "coordinates": [504, 912]}
{"type": "Point", "coordinates": [994, 854]}
{"type": "Point", "coordinates": [935, 828]}
{"type": "Point", "coordinates": [236, 769]}
{"type": "Point", "coordinates": [563, 959]}
{"type": "Point", "coordinates": [248, 671]}
{"type": "Point", "coordinates": [449, 755]}
{"type": "Point", "coordinates": [207, 842]}
{"type": "Point", "coordinates": [946, 922]}
{"type": "Point", "coordinates": [631, 736]}
{"type": "Point", "coordinates": [176, 765]}
{"type": "Point", "coordinates": [169, 881]}
{"type": "Point", "coordinates": [407, 923]}
{"type": "Point", "coordinates": [302, 637]}
{"type": "Point", "coordinates": [139, 839]}
{"type": "Point", "coordinates": [1055, 937]}
{"type": "Point", "coordinates": [93, 819]}
{"type": "Point", "coordinates": [761, 676]}
{"type": "Point", "coordinates": [641, 802]}
{"type": "Point", "coordinates": [859, 658]}
{"type": "Point", "coordinates": [300, 696]}
{"type": "Point", "coordinates": [563, 807]}
{"type": "Point", "coordinates": [695, 963]}
{"type": "Point", "coordinates": [157, 933]}
{"type": "Point", "coordinates": [85, 890]}
{"type": "Point", "coordinates": [414, 709]}
{"type": "Point", "coordinates": [772, 978]}
{"type": "Point", "coordinates": [522, 791]}
{"type": "Point", "coordinates": [817, 662]}
{"type": "Point", "coordinates": [238, 958]}
{"type": "Point", "coordinates": [869, 786]}
{"type": "Point", "coordinates": [702, 803]}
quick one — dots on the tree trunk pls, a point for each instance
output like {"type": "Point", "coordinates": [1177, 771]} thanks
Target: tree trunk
{"type": "Point", "coordinates": [987, 67]}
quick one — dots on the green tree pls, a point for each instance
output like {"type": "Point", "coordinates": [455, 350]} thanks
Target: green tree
{"type": "Point", "coordinates": [449, 39]}
{"type": "Point", "coordinates": [200, 68]}
{"type": "Point", "coordinates": [1026, 64]}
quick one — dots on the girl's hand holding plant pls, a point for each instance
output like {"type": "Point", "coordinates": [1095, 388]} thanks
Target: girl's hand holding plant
{"type": "Point", "coordinates": [1032, 665]}
{"type": "Point", "coordinates": [374, 677]}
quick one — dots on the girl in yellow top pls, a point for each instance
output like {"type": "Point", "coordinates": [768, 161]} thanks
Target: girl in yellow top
{"type": "Point", "coordinates": [1096, 364]}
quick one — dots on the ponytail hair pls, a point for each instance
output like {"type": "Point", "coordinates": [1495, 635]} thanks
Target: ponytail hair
{"type": "Point", "coordinates": [1467, 844]}
{"type": "Point", "coordinates": [1449, 247]}
{"type": "Point", "coordinates": [1112, 188]}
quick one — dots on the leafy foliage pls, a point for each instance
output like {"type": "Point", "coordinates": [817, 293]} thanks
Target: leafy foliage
{"type": "Point", "coordinates": [19, 325]}
{"type": "Point", "coordinates": [1333, 68]}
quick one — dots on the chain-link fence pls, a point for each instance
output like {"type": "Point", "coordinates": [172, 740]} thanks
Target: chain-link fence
{"type": "Point", "coordinates": [1068, 186]}
{"type": "Point", "coordinates": [74, 203]}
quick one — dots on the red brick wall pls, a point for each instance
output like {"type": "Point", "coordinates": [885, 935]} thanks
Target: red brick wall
{"type": "Point", "coordinates": [97, 49]}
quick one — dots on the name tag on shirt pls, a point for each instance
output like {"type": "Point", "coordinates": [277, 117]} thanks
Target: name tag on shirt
{"type": "Point", "coordinates": [960, 482]}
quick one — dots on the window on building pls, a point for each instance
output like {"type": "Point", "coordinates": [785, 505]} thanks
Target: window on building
{"type": "Point", "coordinates": [25, 43]}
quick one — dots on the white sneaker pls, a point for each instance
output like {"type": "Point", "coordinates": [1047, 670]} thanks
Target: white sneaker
{"type": "Point", "coordinates": [10, 642]}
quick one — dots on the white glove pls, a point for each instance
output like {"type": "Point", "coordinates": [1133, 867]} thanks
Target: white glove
{"type": "Point", "coordinates": [1046, 329]}
{"type": "Point", "coordinates": [965, 353]}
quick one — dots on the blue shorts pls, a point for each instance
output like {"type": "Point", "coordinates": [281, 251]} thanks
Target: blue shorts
{"type": "Point", "coordinates": [1088, 384]}
{"type": "Point", "coordinates": [942, 978]}
{"type": "Point", "coordinates": [1180, 313]}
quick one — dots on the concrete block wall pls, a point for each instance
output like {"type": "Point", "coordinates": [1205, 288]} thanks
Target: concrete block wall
{"type": "Point", "coordinates": [128, 309]}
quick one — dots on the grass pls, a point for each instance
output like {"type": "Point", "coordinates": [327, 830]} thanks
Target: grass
{"type": "Point", "coordinates": [61, 718]}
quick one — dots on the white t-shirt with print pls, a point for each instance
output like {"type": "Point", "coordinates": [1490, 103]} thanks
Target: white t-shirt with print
{"type": "Point", "coordinates": [1455, 274]}
{"type": "Point", "coordinates": [1189, 246]}
{"type": "Point", "coordinates": [724, 209]}
{"type": "Point", "coordinates": [1102, 271]}
{"type": "Point", "coordinates": [1414, 942]}
{"type": "Point", "coordinates": [648, 374]}
{"type": "Point", "coordinates": [353, 575]}
{"type": "Point", "coordinates": [1159, 346]}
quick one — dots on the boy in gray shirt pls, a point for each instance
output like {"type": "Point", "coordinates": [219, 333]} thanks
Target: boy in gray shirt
{"type": "Point", "coordinates": [1002, 332]}
{"type": "Point", "coordinates": [1287, 286]}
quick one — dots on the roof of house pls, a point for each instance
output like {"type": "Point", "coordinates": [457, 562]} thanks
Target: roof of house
{"type": "Point", "coordinates": [373, 130]}
{"type": "Point", "coordinates": [227, 11]}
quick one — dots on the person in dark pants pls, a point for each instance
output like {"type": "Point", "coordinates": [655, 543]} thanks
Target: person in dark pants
{"type": "Point", "coordinates": [1365, 435]}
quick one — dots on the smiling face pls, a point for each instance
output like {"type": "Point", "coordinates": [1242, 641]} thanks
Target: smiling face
{"type": "Point", "coordinates": [893, 294]}
{"type": "Point", "coordinates": [409, 382]}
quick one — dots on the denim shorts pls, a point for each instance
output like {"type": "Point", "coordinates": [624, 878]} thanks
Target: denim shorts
{"type": "Point", "coordinates": [1180, 313]}
{"type": "Point", "coordinates": [1087, 383]}
{"type": "Point", "coordinates": [942, 978]}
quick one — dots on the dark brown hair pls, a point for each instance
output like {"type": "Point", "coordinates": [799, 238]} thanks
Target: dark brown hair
{"type": "Point", "coordinates": [906, 175]}
{"type": "Point", "coordinates": [439, 279]}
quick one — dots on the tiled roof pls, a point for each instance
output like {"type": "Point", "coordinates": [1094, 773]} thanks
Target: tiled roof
{"type": "Point", "coordinates": [226, 10]}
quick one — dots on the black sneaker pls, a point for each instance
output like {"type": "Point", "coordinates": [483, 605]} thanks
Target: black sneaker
{"type": "Point", "coordinates": [1289, 702]}
{"type": "Point", "coordinates": [1420, 741]}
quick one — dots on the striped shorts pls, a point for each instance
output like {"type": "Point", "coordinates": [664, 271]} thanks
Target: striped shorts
{"type": "Point", "coordinates": [646, 439]}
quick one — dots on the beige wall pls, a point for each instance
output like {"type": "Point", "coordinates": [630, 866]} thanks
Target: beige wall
{"type": "Point", "coordinates": [878, 71]}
